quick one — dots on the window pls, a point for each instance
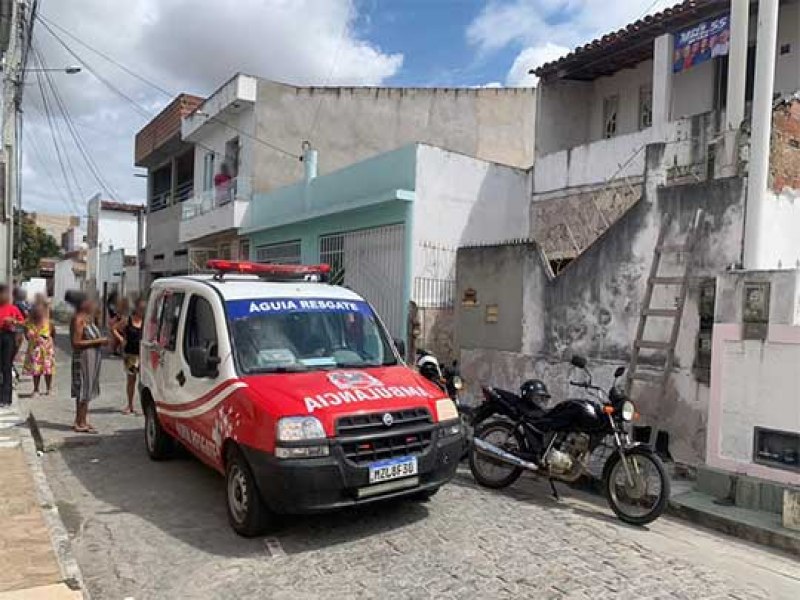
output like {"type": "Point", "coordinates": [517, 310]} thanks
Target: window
{"type": "Point", "coordinates": [201, 328]}
{"type": "Point", "coordinates": [151, 329]}
{"type": "Point", "coordinates": [232, 156]}
{"type": "Point", "coordinates": [645, 107]}
{"type": "Point", "coordinates": [170, 316]}
{"type": "Point", "coordinates": [610, 110]}
{"type": "Point", "coordinates": [208, 171]}
{"type": "Point", "coordinates": [244, 250]}
{"type": "Point", "coordinates": [331, 252]}
{"type": "Point", "coordinates": [284, 252]}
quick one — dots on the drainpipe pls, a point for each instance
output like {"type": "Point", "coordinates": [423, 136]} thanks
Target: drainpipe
{"type": "Point", "coordinates": [761, 130]}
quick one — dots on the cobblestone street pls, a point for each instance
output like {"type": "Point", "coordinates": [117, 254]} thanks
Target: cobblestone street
{"type": "Point", "coordinates": [159, 530]}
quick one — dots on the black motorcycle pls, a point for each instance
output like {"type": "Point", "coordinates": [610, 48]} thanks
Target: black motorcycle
{"type": "Point", "coordinates": [513, 435]}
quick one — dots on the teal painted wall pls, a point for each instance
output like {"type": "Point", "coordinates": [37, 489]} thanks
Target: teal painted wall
{"type": "Point", "coordinates": [309, 232]}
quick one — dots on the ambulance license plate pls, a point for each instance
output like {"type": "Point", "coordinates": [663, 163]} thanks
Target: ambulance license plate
{"type": "Point", "coordinates": [392, 468]}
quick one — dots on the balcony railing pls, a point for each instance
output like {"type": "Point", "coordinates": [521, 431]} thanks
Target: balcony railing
{"type": "Point", "coordinates": [236, 189]}
{"type": "Point", "coordinates": [182, 193]}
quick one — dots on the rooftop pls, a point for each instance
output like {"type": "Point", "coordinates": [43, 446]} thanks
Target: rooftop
{"type": "Point", "coordinates": [121, 206]}
{"type": "Point", "coordinates": [628, 46]}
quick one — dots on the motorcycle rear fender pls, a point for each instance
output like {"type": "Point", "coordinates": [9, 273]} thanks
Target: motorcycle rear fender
{"type": "Point", "coordinates": [495, 406]}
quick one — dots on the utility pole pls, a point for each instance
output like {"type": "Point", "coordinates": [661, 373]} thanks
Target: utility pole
{"type": "Point", "coordinates": [16, 29]}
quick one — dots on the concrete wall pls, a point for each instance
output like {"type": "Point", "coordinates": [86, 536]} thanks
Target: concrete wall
{"type": "Point", "coordinates": [563, 114]}
{"type": "Point", "coordinates": [693, 91]}
{"type": "Point", "coordinates": [754, 383]}
{"type": "Point", "coordinates": [462, 200]}
{"type": "Point", "coordinates": [593, 306]}
{"type": "Point", "coordinates": [118, 229]}
{"type": "Point", "coordinates": [350, 124]}
{"type": "Point", "coordinates": [64, 279]}
{"type": "Point", "coordinates": [787, 66]}
{"type": "Point", "coordinates": [163, 228]}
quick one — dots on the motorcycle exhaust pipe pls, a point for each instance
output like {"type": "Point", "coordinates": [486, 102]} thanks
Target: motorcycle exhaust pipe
{"type": "Point", "coordinates": [486, 448]}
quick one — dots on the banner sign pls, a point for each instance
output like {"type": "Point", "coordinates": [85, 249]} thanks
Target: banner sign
{"type": "Point", "coordinates": [700, 43]}
{"type": "Point", "coordinates": [238, 309]}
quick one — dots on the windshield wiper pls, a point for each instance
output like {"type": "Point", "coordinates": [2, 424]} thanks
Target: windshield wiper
{"type": "Point", "coordinates": [281, 369]}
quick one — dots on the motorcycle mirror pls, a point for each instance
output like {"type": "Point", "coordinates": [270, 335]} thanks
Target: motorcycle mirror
{"type": "Point", "coordinates": [619, 372]}
{"type": "Point", "coordinates": [578, 361]}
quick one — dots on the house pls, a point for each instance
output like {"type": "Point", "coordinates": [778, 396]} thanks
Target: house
{"type": "Point", "coordinates": [55, 225]}
{"type": "Point", "coordinates": [249, 136]}
{"type": "Point", "coordinates": [169, 161]}
{"type": "Point", "coordinates": [115, 231]}
{"type": "Point", "coordinates": [69, 274]}
{"type": "Point", "coordinates": [695, 107]}
{"type": "Point", "coordinates": [389, 226]}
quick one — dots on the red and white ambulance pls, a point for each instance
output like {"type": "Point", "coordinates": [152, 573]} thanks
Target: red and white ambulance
{"type": "Point", "coordinates": [293, 390]}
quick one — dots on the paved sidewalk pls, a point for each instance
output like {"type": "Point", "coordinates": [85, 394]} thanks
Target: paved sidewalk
{"type": "Point", "coordinates": [29, 568]}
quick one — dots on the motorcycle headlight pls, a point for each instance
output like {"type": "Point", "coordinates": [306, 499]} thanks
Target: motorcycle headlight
{"type": "Point", "coordinates": [458, 383]}
{"type": "Point", "coordinates": [296, 429]}
{"type": "Point", "coordinates": [628, 410]}
{"type": "Point", "coordinates": [446, 410]}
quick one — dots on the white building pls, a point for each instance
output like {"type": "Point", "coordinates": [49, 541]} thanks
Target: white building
{"type": "Point", "coordinates": [114, 235]}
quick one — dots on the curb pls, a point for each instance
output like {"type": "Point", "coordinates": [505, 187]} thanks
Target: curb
{"type": "Point", "coordinates": [70, 571]}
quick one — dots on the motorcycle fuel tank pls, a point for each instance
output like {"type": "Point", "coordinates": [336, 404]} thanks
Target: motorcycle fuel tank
{"type": "Point", "coordinates": [574, 415]}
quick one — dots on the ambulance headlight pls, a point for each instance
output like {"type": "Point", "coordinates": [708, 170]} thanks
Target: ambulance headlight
{"type": "Point", "coordinates": [446, 410]}
{"type": "Point", "coordinates": [298, 429]}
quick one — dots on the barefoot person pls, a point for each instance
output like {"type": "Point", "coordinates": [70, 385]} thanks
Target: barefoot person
{"type": "Point", "coordinates": [87, 344]}
{"type": "Point", "coordinates": [40, 355]}
{"type": "Point", "coordinates": [10, 320]}
{"type": "Point", "coordinates": [129, 337]}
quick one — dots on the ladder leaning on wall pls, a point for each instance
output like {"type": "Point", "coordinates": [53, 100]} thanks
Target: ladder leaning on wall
{"type": "Point", "coordinates": [674, 313]}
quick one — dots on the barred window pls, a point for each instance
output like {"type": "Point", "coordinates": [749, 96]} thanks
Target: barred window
{"type": "Point", "coordinates": [283, 252]}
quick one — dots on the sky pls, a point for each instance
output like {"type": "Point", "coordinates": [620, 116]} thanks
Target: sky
{"type": "Point", "coordinates": [166, 47]}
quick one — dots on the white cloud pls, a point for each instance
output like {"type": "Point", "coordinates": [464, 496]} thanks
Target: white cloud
{"type": "Point", "coordinates": [540, 27]}
{"type": "Point", "coordinates": [184, 46]}
{"type": "Point", "coordinates": [530, 58]}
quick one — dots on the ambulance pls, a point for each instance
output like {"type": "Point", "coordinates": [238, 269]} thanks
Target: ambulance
{"type": "Point", "coordinates": [293, 390]}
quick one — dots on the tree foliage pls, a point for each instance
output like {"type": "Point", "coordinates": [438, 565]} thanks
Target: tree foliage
{"type": "Point", "coordinates": [33, 244]}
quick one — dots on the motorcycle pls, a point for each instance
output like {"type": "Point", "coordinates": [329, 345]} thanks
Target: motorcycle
{"type": "Point", "coordinates": [449, 381]}
{"type": "Point", "coordinates": [514, 435]}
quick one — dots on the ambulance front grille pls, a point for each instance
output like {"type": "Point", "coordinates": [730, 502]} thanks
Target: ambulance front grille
{"type": "Point", "coordinates": [366, 438]}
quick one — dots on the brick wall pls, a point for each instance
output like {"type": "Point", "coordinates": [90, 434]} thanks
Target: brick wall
{"type": "Point", "coordinates": [785, 147]}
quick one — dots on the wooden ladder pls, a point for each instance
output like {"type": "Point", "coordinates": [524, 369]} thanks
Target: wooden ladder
{"type": "Point", "coordinates": [648, 311]}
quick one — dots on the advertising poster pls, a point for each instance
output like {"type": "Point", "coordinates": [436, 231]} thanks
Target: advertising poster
{"type": "Point", "coordinates": [700, 43]}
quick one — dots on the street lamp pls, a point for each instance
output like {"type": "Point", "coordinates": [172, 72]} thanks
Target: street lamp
{"type": "Point", "coordinates": [71, 70]}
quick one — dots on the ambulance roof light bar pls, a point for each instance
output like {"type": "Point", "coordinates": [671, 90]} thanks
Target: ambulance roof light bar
{"type": "Point", "coordinates": [275, 272]}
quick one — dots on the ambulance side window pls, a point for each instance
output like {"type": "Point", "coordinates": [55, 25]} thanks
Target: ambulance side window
{"type": "Point", "coordinates": [170, 316]}
{"type": "Point", "coordinates": [201, 327]}
{"type": "Point", "coordinates": [154, 318]}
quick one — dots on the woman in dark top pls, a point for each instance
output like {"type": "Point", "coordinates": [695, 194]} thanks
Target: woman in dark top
{"type": "Point", "coordinates": [129, 336]}
{"type": "Point", "coordinates": [10, 321]}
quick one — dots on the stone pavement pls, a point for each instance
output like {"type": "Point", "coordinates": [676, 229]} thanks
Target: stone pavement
{"type": "Point", "coordinates": [29, 568]}
{"type": "Point", "coordinates": [150, 530]}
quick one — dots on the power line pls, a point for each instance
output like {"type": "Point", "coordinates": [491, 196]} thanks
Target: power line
{"type": "Point", "coordinates": [94, 170]}
{"type": "Point", "coordinates": [139, 108]}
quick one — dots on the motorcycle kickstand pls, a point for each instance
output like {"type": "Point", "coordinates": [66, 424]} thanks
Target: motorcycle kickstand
{"type": "Point", "coordinates": [553, 487]}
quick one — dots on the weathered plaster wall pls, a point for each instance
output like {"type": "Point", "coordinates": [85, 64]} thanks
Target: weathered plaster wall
{"type": "Point", "coordinates": [593, 306]}
{"type": "Point", "coordinates": [563, 115]}
{"type": "Point", "coordinates": [350, 124]}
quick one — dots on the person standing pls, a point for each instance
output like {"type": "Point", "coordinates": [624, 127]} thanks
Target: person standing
{"type": "Point", "coordinates": [10, 321]}
{"type": "Point", "coordinates": [40, 355]}
{"type": "Point", "coordinates": [87, 344]}
{"type": "Point", "coordinates": [129, 337]}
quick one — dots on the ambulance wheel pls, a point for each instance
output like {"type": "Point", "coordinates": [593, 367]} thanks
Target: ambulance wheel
{"type": "Point", "coordinates": [247, 513]}
{"type": "Point", "coordinates": [158, 442]}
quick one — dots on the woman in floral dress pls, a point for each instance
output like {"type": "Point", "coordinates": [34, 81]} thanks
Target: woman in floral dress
{"type": "Point", "coordinates": [40, 356]}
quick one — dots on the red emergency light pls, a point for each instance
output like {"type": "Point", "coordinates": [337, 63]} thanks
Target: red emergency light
{"type": "Point", "coordinates": [277, 271]}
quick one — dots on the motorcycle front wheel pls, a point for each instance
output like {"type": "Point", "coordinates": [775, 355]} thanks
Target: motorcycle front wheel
{"type": "Point", "coordinates": [639, 493]}
{"type": "Point", "coordinates": [488, 471]}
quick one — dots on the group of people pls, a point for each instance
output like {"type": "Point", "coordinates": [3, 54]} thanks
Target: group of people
{"type": "Point", "coordinates": [22, 322]}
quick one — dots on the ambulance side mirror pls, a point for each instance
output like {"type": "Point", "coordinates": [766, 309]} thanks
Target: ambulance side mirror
{"type": "Point", "coordinates": [400, 345]}
{"type": "Point", "coordinates": [203, 361]}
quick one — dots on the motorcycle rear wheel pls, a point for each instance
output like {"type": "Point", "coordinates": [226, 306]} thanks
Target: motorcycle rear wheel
{"type": "Point", "coordinates": [636, 503]}
{"type": "Point", "coordinates": [490, 472]}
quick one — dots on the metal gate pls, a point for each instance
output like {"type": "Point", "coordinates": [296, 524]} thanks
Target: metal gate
{"type": "Point", "coordinates": [371, 262]}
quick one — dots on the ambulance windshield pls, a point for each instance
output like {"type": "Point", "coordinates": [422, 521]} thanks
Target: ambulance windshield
{"type": "Point", "coordinates": [301, 334]}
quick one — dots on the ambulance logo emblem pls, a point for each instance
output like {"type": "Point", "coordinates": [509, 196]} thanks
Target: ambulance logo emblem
{"type": "Point", "coordinates": [353, 380]}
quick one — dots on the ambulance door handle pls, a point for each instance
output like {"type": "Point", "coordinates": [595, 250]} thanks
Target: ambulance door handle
{"type": "Point", "coordinates": [181, 378]}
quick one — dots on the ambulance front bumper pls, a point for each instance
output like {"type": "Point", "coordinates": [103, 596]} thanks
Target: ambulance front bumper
{"type": "Point", "coordinates": [308, 485]}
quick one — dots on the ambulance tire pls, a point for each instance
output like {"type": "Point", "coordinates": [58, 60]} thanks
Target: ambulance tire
{"type": "Point", "coordinates": [157, 441]}
{"type": "Point", "coordinates": [247, 513]}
